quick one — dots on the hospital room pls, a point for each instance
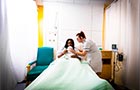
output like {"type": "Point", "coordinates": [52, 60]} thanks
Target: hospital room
{"type": "Point", "coordinates": [59, 44]}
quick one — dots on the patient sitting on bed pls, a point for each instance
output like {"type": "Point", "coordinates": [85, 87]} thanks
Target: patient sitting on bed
{"type": "Point", "coordinates": [68, 73]}
{"type": "Point", "coordinates": [65, 50]}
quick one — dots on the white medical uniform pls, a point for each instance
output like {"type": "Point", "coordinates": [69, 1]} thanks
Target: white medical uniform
{"type": "Point", "coordinates": [93, 56]}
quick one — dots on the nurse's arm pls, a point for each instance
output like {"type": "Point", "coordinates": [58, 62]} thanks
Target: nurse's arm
{"type": "Point", "coordinates": [80, 53]}
{"type": "Point", "coordinates": [83, 53]}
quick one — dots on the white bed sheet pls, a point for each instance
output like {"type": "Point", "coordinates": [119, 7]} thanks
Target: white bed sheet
{"type": "Point", "coordinates": [69, 74]}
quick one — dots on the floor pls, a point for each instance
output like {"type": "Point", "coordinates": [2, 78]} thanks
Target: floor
{"type": "Point", "coordinates": [117, 87]}
{"type": "Point", "coordinates": [21, 86]}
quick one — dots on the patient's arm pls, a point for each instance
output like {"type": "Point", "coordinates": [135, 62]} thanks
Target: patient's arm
{"type": "Point", "coordinates": [80, 50]}
{"type": "Point", "coordinates": [62, 53]}
{"type": "Point", "coordinates": [75, 56]}
{"type": "Point", "coordinates": [79, 53]}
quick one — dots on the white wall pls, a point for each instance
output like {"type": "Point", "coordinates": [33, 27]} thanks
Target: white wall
{"type": "Point", "coordinates": [67, 19]}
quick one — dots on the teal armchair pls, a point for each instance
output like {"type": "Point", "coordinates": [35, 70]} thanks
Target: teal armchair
{"type": "Point", "coordinates": [45, 56]}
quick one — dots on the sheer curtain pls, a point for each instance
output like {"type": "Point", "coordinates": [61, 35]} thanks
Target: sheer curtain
{"type": "Point", "coordinates": [22, 26]}
{"type": "Point", "coordinates": [122, 28]}
{"type": "Point", "coordinates": [18, 40]}
{"type": "Point", "coordinates": [7, 76]}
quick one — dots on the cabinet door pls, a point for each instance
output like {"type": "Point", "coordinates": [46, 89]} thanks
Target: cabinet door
{"type": "Point", "coordinates": [107, 67]}
{"type": "Point", "coordinates": [106, 71]}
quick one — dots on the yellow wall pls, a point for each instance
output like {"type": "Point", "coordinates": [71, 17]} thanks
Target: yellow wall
{"type": "Point", "coordinates": [40, 25]}
{"type": "Point", "coordinates": [104, 24]}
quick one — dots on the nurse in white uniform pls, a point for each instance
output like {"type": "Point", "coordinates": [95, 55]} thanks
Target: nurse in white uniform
{"type": "Point", "coordinates": [90, 50]}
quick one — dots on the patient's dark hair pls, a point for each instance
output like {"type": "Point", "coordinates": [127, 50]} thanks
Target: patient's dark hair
{"type": "Point", "coordinates": [66, 44]}
{"type": "Point", "coordinates": [81, 34]}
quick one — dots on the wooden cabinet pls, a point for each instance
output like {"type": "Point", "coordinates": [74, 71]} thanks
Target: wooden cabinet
{"type": "Point", "coordinates": [107, 64]}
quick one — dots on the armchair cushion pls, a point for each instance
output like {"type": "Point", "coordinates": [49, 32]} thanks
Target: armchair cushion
{"type": "Point", "coordinates": [34, 72]}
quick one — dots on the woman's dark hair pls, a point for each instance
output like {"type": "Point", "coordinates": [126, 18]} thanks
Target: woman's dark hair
{"type": "Point", "coordinates": [66, 44]}
{"type": "Point", "coordinates": [81, 34]}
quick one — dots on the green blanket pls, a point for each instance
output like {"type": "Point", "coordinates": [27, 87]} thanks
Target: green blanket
{"type": "Point", "coordinates": [69, 74]}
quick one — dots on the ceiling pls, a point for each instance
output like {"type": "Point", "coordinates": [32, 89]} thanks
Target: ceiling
{"type": "Point", "coordinates": [72, 1]}
{"type": "Point", "coordinates": [40, 2]}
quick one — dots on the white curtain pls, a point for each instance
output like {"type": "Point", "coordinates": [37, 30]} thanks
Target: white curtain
{"type": "Point", "coordinates": [18, 40]}
{"type": "Point", "coordinates": [122, 21]}
{"type": "Point", "coordinates": [22, 26]}
{"type": "Point", "coordinates": [7, 75]}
